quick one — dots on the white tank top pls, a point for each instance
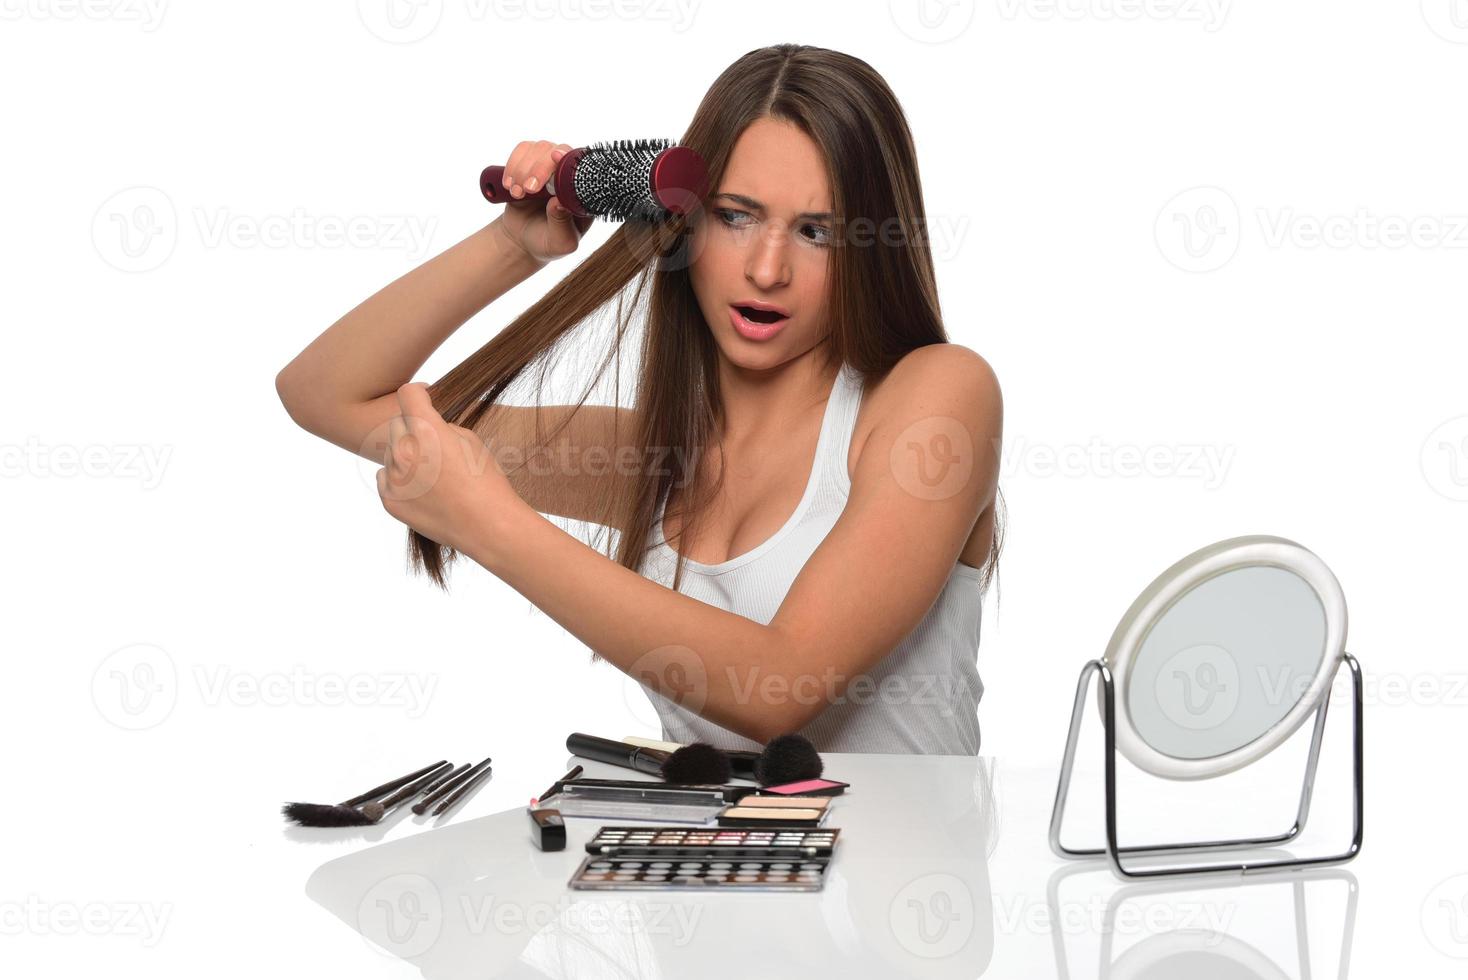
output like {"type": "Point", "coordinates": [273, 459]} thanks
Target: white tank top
{"type": "Point", "coordinates": [922, 697]}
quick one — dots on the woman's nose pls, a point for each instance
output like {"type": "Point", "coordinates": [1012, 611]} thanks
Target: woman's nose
{"type": "Point", "coordinates": [766, 265]}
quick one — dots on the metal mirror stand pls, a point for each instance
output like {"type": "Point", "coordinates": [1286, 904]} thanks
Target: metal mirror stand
{"type": "Point", "coordinates": [1114, 852]}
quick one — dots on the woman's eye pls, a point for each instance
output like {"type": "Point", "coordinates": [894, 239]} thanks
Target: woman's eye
{"type": "Point", "coordinates": [822, 234]}
{"type": "Point", "coordinates": [727, 217]}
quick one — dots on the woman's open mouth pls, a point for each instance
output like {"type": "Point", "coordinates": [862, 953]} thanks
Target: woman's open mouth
{"type": "Point", "coordinates": [757, 321]}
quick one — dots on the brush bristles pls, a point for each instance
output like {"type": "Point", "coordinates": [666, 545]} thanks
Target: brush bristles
{"type": "Point", "coordinates": [325, 815]}
{"type": "Point", "coordinates": [614, 180]}
{"type": "Point", "coordinates": [787, 759]}
{"type": "Point", "coordinates": [373, 811]}
{"type": "Point", "coordinates": [697, 763]}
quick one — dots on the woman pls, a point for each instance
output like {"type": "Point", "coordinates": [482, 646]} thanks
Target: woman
{"type": "Point", "coordinates": [803, 492]}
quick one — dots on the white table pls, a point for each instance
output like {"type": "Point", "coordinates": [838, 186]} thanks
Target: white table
{"type": "Point", "coordinates": [942, 870]}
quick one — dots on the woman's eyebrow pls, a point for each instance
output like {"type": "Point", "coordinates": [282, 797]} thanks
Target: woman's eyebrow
{"type": "Point", "coordinates": [754, 205]}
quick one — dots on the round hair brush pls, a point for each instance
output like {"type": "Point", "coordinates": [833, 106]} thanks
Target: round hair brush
{"type": "Point", "coordinates": [643, 180]}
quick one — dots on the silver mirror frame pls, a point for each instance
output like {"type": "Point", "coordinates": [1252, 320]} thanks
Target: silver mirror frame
{"type": "Point", "coordinates": [1109, 690]}
{"type": "Point", "coordinates": [1180, 579]}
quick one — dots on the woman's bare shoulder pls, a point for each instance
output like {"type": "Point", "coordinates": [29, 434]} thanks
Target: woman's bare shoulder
{"type": "Point", "coordinates": [947, 379]}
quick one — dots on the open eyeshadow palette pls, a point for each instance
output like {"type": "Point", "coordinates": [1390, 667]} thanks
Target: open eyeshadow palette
{"type": "Point", "coordinates": [741, 859]}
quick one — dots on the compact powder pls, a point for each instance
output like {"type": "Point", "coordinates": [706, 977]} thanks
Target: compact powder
{"type": "Point", "coordinates": [781, 802]}
{"type": "Point", "coordinates": [771, 814]}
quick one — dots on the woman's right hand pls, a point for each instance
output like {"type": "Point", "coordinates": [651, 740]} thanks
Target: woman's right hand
{"type": "Point", "coordinates": [542, 229]}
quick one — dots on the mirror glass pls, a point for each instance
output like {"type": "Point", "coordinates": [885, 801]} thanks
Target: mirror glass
{"type": "Point", "coordinates": [1226, 662]}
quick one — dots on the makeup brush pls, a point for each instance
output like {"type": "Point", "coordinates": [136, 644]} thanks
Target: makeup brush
{"type": "Point", "coordinates": [787, 759]}
{"type": "Point", "coordinates": [791, 756]}
{"type": "Point", "coordinates": [430, 791]}
{"type": "Point", "coordinates": [448, 786]}
{"type": "Point", "coordinates": [694, 763]}
{"type": "Point", "coordinates": [463, 790]}
{"type": "Point", "coordinates": [345, 814]}
{"type": "Point", "coordinates": [376, 810]}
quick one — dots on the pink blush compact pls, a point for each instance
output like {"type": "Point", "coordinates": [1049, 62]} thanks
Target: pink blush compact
{"type": "Point", "coordinates": [808, 787]}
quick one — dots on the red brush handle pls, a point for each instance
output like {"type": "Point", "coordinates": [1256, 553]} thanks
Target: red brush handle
{"type": "Point", "coordinates": [561, 185]}
{"type": "Point", "coordinates": [679, 182]}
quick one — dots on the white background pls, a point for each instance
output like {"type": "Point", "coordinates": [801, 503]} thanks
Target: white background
{"type": "Point", "coordinates": [1224, 240]}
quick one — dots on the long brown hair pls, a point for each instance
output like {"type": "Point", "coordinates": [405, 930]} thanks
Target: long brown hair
{"type": "Point", "coordinates": [883, 298]}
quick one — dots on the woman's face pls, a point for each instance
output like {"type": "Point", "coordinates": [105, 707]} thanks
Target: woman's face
{"type": "Point", "coordinates": [765, 239]}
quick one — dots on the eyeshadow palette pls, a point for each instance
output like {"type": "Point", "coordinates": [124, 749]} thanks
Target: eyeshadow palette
{"type": "Point", "coordinates": [764, 859]}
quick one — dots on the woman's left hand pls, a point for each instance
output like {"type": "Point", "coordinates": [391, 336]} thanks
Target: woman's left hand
{"type": "Point", "coordinates": [439, 479]}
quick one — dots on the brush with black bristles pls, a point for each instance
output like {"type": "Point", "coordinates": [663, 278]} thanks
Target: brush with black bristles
{"type": "Point", "coordinates": [620, 180]}
{"type": "Point", "coordinates": [345, 813]}
{"type": "Point", "coordinates": [698, 763]}
{"type": "Point", "coordinates": [787, 759]}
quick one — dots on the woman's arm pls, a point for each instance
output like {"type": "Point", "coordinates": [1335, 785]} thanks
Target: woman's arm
{"type": "Point", "coordinates": [343, 386]}
{"type": "Point", "coordinates": [925, 474]}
